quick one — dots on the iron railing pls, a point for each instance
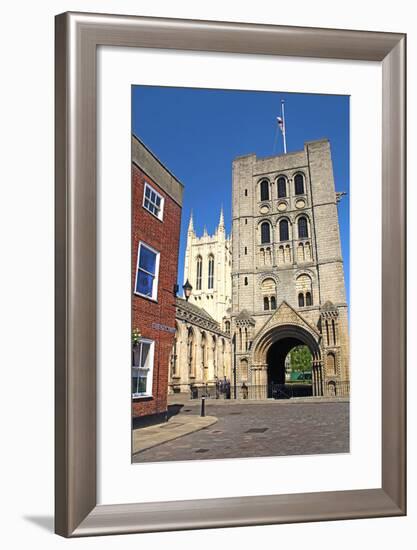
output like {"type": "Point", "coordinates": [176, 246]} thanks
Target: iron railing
{"type": "Point", "coordinates": [336, 388]}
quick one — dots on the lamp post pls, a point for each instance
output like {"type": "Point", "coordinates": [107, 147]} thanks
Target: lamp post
{"type": "Point", "coordinates": [187, 288]}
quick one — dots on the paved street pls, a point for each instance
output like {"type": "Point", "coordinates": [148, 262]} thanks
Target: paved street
{"type": "Point", "coordinates": [258, 429]}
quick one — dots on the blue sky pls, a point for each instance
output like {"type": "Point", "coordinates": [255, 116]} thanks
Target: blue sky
{"type": "Point", "coordinates": [197, 133]}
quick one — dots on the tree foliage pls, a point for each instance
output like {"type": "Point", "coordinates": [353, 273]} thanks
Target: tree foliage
{"type": "Point", "coordinates": [300, 358]}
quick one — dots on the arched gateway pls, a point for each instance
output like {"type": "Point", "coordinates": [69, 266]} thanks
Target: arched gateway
{"type": "Point", "coordinates": [285, 330]}
{"type": "Point", "coordinates": [272, 349]}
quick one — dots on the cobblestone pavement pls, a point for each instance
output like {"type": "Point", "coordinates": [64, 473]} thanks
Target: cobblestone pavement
{"type": "Point", "coordinates": [264, 429]}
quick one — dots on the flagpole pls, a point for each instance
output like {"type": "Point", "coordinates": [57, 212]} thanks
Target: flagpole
{"type": "Point", "coordinates": [284, 137]}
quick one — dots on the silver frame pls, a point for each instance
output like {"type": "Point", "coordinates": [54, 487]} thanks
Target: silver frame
{"type": "Point", "coordinates": [77, 38]}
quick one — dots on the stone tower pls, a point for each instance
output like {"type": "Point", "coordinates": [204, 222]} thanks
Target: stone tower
{"type": "Point", "coordinates": [287, 270]}
{"type": "Point", "coordinates": [208, 269]}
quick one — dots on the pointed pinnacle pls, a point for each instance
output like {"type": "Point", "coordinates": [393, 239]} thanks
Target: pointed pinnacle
{"type": "Point", "coordinates": [191, 224]}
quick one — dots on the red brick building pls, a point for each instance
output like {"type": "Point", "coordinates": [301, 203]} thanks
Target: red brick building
{"type": "Point", "coordinates": [156, 220]}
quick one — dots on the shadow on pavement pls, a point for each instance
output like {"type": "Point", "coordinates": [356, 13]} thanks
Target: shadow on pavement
{"type": "Point", "coordinates": [174, 409]}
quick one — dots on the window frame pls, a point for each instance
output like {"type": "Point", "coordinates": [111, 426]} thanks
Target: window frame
{"type": "Point", "coordinates": [299, 219]}
{"type": "Point", "coordinates": [210, 272]}
{"type": "Point", "coordinates": [268, 189]}
{"type": "Point", "coordinates": [282, 221]}
{"type": "Point", "coordinates": [161, 209]}
{"type": "Point", "coordinates": [284, 179]}
{"type": "Point", "coordinates": [269, 241]}
{"type": "Point", "coordinates": [302, 176]}
{"type": "Point", "coordinates": [199, 272]}
{"type": "Point", "coordinates": [149, 375]}
{"type": "Point", "coordinates": [154, 296]}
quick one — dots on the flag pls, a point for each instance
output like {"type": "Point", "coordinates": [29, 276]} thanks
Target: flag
{"type": "Point", "coordinates": [280, 124]}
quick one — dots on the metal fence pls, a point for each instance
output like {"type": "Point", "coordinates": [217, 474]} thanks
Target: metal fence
{"type": "Point", "coordinates": [336, 388]}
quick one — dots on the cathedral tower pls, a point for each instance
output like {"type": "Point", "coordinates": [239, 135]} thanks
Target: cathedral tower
{"type": "Point", "coordinates": [208, 269]}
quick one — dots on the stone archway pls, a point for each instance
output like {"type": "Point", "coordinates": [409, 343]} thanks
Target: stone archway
{"type": "Point", "coordinates": [271, 348]}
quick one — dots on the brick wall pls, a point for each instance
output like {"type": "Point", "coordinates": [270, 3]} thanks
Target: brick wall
{"type": "Point", "coordinates": [163, 236]}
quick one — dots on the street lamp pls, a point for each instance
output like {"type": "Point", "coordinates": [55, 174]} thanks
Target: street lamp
{"type": "Point", "coordinates": [187, 288]}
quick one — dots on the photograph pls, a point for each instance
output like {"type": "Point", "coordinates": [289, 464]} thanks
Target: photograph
{"type": "Point", "coordinates": [240, 274]}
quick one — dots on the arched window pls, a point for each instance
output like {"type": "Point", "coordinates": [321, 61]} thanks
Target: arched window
{"type": "Point", "coordinates": [304, 290]}
{"type": "Point", "coordinates": [203, 350]}
{"type": "Point", "coordinates": [266, 303]}
{"type": "Point", "coordinates": [265, 233]}
{"type": "Point", "coordinates": [199, 272]}
{"type": "Point", "coordinates": [210, 280]}
{"type": "Point", "coordinates": [299, 184]}
{"type": "Point", "coordinates": [284, 233]}
{"type": "Point", "coordinates": [302, 228]}
{"type": "Point", "coordinates": [190, 345]}
{"type": "Point", "coordinates": [282, 187]}
{"type": "Point", "coordinates": [227, 327]}
{"type": "Point", "coordinates": [264, 190]}
{"type": "Point", "coordinates": [273, 302]}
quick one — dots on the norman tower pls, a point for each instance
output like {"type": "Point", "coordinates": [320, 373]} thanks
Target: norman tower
{"type": "Point", "coordinates": [287, 270]}
{"type": "Point", "coordinates": [208, 269]}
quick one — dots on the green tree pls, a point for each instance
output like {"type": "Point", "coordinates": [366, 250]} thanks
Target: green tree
{"type": "Point", "coordinates": [300, 358]}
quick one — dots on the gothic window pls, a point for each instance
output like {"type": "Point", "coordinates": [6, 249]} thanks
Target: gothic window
{"type": "Point", "coordinates": [299, 184]}
{"type": "Point", "coordinates": [309, 300]}
{"type": "Point", "coordinates": [199, 272]}
{"type": "Point", "coordinates": [265, 233]}
{"type": "Point", "coordinates": [302, 228]}
{"type": "Point", "coordinates": [273, 302]}
{"type": "Point", "coordinates": [190, 346]}
{"type": "Point", "coordinates": [300, 299]}
{"type": "Point", "coordinates": [284, 233]}
{"type": "Point", "coordinates": [266, 303]}
{"type": "Point", "coordinates": [203, 350]}
{"type": "Point", "coordinates": [264, 190]}
{"type": "Point", "coordinates": [174, 356]}
{"type": "Point", "coordinates": [282, 188]}
{"type": "Point", "coordinates": [210, 281]}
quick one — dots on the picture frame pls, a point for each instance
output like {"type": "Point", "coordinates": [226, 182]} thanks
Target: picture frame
{"type": "Point", "coordinates": [77, 37]}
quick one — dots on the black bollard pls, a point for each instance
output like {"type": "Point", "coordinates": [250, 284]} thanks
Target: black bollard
{"type": "Point", "coordinates": [203, 406]}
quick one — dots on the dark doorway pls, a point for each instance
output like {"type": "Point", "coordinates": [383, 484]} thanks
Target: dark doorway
{"type": "Point", "coordinates": [280, 385]}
